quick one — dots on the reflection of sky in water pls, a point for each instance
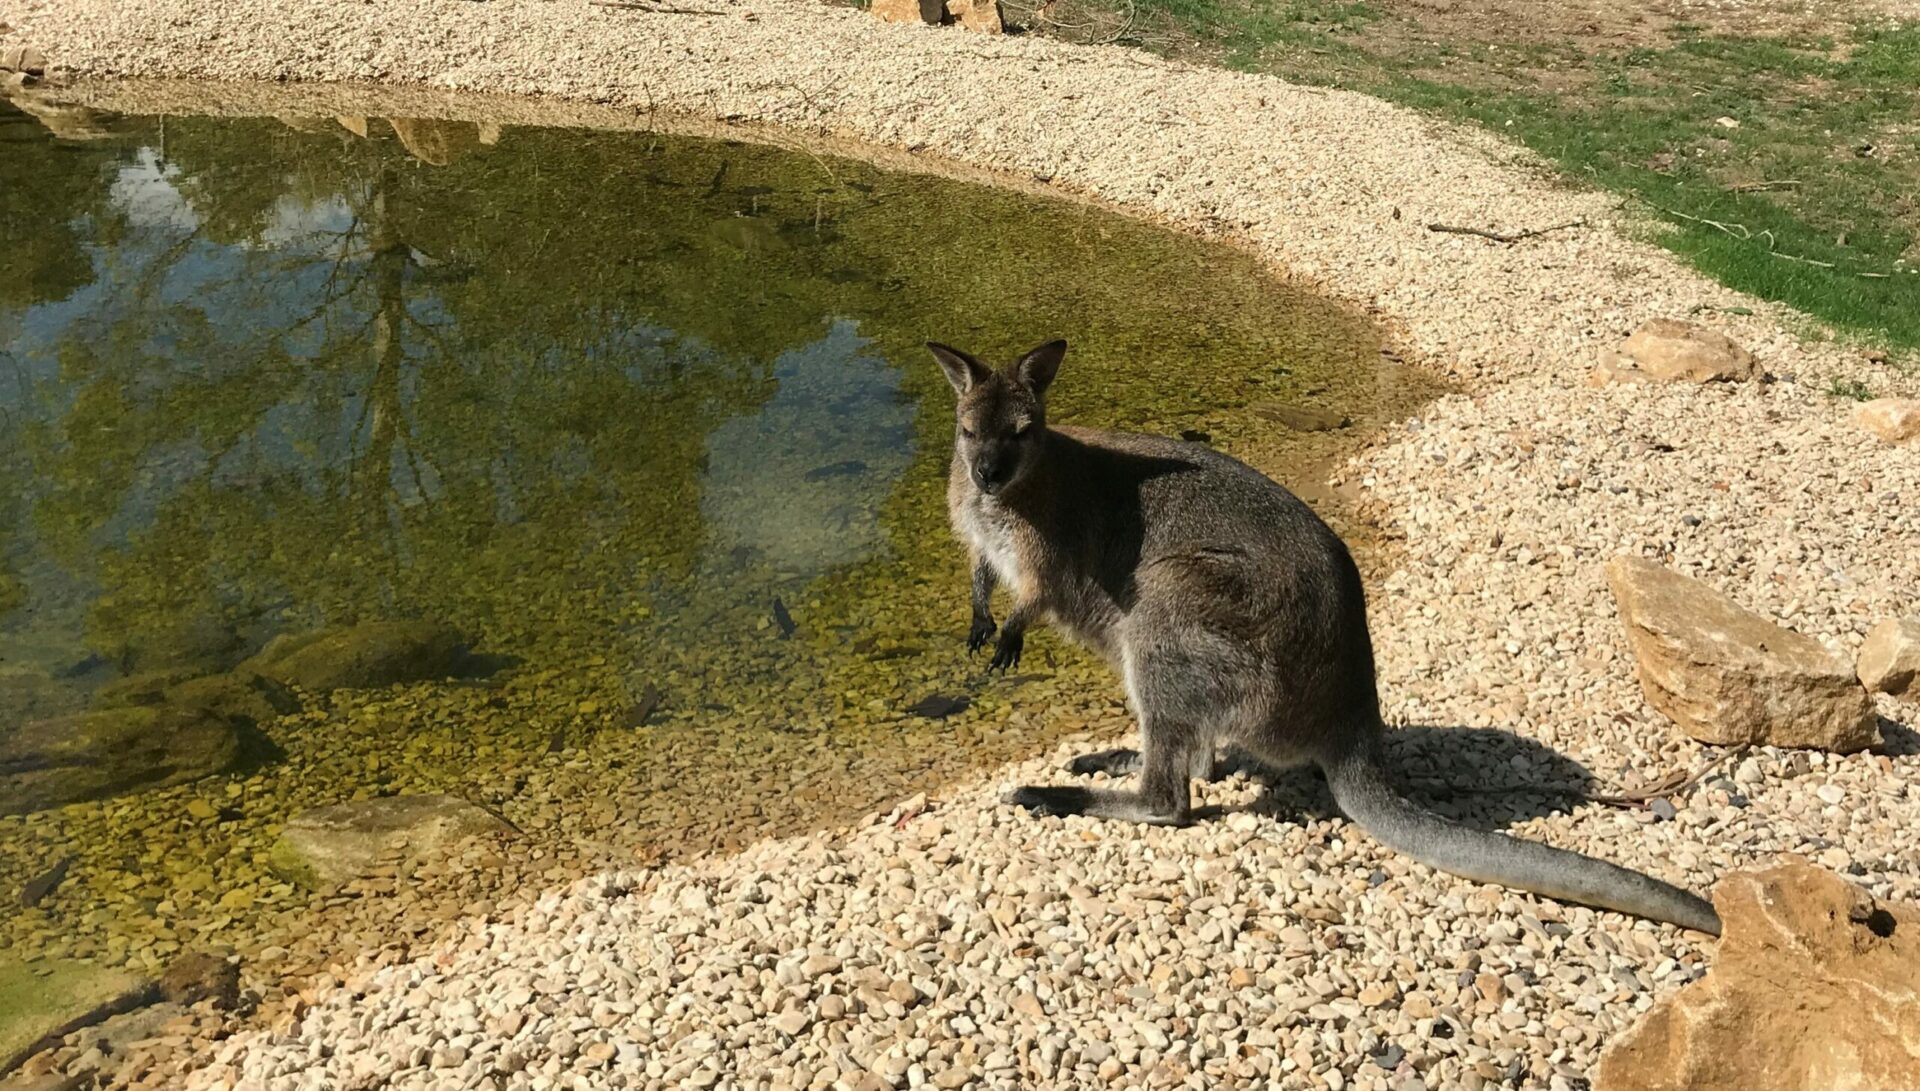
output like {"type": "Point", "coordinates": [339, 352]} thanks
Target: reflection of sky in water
{"type": "Point", "coordinates": [800, 483]}
{"type": "Point", "coordinates": [144, 192]}
{"type": "Point", "coordinates": [293, 307]}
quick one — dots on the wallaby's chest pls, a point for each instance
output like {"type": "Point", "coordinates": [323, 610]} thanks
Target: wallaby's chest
{"type": "Point", "coordinates": [994, 535]}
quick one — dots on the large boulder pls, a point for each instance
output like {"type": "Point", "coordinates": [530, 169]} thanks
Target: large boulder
{"type": "Point", "coordinates": [377, 653]}
{"type": "Point", "coordinates": [982, 16]}
{"type": "Point", "coordinates": [1894, 420]}
{"type": "Point", "coordinates": [90, 755]}
{"type": "Point", "coordinates": [1670, 351]}
{"type": "Point", "coordinates": [327, 846]}
{"type": "Point", "coordinates": [1815, 986]}
{"type": "Point", "coordinates": [909, 11]}
{"type": "Point", "coordinates": [1889, 661]}
{"type": "Point", "coordinates": [1728, 676]}
{"type": "Point", "coordinates": [42, 1000]}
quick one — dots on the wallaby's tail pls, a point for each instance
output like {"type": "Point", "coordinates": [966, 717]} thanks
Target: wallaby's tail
{"type": "Point", "coordinates": [1366, 797]}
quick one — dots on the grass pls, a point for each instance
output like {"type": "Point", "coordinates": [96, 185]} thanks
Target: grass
{"type": "Point", "coordinates": [1786, 167]}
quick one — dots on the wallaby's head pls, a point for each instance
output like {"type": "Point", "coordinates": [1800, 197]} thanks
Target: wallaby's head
{"type": "Point", "coordinates": [1001, 414]}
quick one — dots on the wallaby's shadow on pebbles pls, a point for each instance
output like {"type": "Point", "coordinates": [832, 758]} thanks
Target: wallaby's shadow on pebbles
{"type": "Point", "coordinates": [1486, 778]}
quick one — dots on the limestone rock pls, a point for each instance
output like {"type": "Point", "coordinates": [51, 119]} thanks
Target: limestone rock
{"type": "Point", "coordinates": [1671, 351]}
{"type": "Point", "coordinates": [377, 653]}
{"type": "Point", "coordinates": [1895, 420]}
{"type": "Point", "coordinates": [1728, 676]}
{"type": "Point", "coordinates": [910, 11]}
{"type": "Point", "coordinates": [23, 58]}
{"type": "Point", "coordinates": [1890, 659]}
{"type": "Point", "coordinates": [89, 755]}
{"type": "Point", "coordinates": [982, 16]}
{"type": "Point", "coordinates": [327, 846]}
{"type": "Point", "coordinates": [41, 1000]}
{"type": "Point", "coordinates": [1815, 985]}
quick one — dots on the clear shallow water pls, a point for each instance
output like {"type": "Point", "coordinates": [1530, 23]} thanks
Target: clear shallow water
{"type": "Point", "coordinates": [597, 400]}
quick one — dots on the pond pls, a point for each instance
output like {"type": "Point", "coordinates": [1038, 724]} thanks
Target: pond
{"type": "Point", "coordinates": [643, 423]}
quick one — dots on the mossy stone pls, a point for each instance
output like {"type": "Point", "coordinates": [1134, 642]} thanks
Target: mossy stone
{"type": "Point", "coordinates": [90, 755]}
{"type": "Point", "coordinates": [377, 653]}
{"type": "Point", "coordinates": [329, 845]}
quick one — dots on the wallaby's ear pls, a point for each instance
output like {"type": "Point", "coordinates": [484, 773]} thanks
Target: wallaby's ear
{"type": "Point", "coordinates": [963, 371]}
{"type": "Point", "coordinates": [1038, 367]}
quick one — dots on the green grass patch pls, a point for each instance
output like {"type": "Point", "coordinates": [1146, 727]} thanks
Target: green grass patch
{"type": "Point", "coordinates": [1786, 168]}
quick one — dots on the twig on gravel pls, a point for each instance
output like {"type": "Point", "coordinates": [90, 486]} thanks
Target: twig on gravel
{"type": "Point", "coordinates": [1666, 787]}
{"type": "Point", "coordinates": [1498, 237]}
{"type": "Point", "coordinates": [652, 9]}
{"type": "Point", "coordinates": [1669, 786]}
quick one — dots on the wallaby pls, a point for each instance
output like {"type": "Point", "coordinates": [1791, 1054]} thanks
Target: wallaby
{"type": "Point", "coordinates": [1233, 614]}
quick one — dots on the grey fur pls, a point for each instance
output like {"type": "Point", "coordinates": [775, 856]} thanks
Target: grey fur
{"type": "Point", "coordinates": [1234, 615]}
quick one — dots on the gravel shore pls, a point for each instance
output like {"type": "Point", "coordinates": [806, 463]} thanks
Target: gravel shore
{"type": "Point", "coordinates": [957, 941]}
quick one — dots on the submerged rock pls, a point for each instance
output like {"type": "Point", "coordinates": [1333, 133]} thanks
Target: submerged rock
{"type": "Point", "coordinates": [44, 999]}
{"type": "Point", "coordinates": [1729, 676]}
{"type": "Point", "coordinates": [327, 846]}
{"type": "Point", "coordinates": [1668, 350]}
{"type": "Point", "coordinates": [1301, 418]}
{"type": "Point", "coordinates": [1890, 659]}
{"type": "Point", "coordinates": [377, 653]}
{"type": "Point", "coordinates": [1815, 985]}
{"type": "Point", "coordinates": [197, 643]}
{"type": "Point", "coordinates": [89, 755]}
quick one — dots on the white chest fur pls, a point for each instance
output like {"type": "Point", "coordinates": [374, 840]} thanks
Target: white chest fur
{"type": "Point", "coordinates": [989, 529]}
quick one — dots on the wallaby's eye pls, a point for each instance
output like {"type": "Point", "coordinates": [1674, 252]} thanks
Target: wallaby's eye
{"type": "Point", "coordinates": [965, 431]}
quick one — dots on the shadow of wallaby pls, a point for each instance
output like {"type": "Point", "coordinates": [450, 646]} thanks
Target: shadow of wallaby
{"type": "Point", "coordinates": [1486, 778]}
{"type": "Point", "coordinates": [1898, 740]}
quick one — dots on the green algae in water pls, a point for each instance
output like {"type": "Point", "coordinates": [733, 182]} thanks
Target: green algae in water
{"type": "Point", "coordinates": [598, 400]}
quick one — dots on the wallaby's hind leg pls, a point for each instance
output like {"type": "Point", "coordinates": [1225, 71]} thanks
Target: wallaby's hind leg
{"type": "Point", "coordinates": [1178, 720]}
{"type": "Point", "coordinates": [1163, 799]}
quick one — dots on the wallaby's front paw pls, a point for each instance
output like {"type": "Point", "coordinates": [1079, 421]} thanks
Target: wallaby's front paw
{"type": "Point", "coordinates": [982, 631]}
{"type": "Point", "coordinates": [1006, 651]}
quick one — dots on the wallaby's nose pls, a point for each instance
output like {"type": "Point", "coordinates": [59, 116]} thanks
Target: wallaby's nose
{"type": "Point", "coordinates": [986, 473]}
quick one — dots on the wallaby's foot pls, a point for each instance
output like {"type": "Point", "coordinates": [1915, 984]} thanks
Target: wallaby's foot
{"type": "Point", "coordinates": [1124, 761]}
{"type": "Point", "coordinates": [1126, 806]}
{"type": "Point", "coordinates": [1121, 761]}
{"type": "Point", "coordinates": [1006, 650]}
{"type": "Point", "coordinates": [982, 631]}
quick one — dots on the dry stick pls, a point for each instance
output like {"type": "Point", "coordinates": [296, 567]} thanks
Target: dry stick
{"type": "Point", "coordinates": [1498, 237]}
{"type": "Point", "coordinates": [1669, 786]}
{"type": "Point", "coordinates": [654, 9]}
{"type": "Point", "coordinates": [1666, 787]}
{"type": "Point", "coordinates": [1757, 187]}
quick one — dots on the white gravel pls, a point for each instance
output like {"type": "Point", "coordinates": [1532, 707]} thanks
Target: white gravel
{"type": "Point", "coordinates": [1272, 948]}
